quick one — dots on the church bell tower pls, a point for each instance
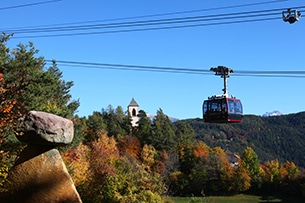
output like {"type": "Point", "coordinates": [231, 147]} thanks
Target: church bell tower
{"type": "Point", "coordinates": [133, 110]}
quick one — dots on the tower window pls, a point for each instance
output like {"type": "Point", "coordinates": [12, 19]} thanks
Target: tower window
{"type": "Point", "coordinates": [134, 113]}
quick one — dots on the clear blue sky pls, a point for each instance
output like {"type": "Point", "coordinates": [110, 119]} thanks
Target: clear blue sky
{"type": "Point", "coordinates": [256, 46]}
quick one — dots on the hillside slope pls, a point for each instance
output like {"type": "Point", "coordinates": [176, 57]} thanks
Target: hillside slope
{"type": "Point", "coordinates": [277, 137]}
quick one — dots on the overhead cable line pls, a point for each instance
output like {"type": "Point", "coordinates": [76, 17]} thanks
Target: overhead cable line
{"type": "Point", "coordinates": [270, 72]}
{"type": "Point", "coordinates": [158, 15]}
{"type": "Point", "coordinates": [133, 69]}
{"type": "Point", "coordinates": [142, 29]}
{"type": "Point", "coordinates": [30, 4]}
{"type": "Point", "coordinates": [224, 16]}
{"type": "Point", "coordinates": [128, 67]}
{"type": "Point", "coordinates": [270, 75]}
{"type": "Point", "coordinates": [215, 17]}
{"type": "Point", "coordinates": [193, 19]}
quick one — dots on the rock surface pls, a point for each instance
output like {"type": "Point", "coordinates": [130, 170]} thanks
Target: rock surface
{"type": "Point", "coordinates": [45, 129]}
{"type": "Point", "coordinates": [40, 176]}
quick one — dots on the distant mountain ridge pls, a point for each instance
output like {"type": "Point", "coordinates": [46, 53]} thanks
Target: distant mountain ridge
{"type": "Point", "coordinates": [273, 137]}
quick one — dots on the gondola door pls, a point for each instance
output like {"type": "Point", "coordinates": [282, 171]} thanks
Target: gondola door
{"type": "Point", "coordinates": [235, 110]}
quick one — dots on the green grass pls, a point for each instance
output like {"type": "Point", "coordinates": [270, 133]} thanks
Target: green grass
{"type": "Point", "coordinates": [241, 198]}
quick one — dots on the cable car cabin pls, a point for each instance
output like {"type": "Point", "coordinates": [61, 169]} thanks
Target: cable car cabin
{"type": "Point", "coordinates": [222, 110]}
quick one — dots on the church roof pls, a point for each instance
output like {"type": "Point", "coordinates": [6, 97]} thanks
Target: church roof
{"type": "Point", "coordinates": [133, 103]}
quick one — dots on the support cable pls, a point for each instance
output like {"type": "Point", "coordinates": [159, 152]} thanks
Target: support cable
{"type": "Point", "coordinates": [181, 70]}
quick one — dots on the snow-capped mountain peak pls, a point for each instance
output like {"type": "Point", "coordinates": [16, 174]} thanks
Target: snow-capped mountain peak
{"type": "Point", "coordinates": [273, 113]}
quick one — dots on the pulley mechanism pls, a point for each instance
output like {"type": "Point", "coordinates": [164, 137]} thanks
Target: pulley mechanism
{"type": "Point", "coordinates": [224, 72]}
{"type": "Point", "coordinates": [291, 15]}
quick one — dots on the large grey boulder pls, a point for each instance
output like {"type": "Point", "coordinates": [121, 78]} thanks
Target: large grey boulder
{"type": "Point", "coordinates": [45, 129]}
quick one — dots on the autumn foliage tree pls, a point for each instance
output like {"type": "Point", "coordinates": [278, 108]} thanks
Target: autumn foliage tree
{"type": "Point", "coordinates": [130, 145]}
{"type": "Point", "coordinates": [26, 84]}
{"type": "Point", "coordinates": [289, 171]}
{"type": "Point", "coordinates": [241, 179]}
{"type": "Point", "coordinates": [251, 162]}
{"type": "Point", "coordinates": [78, 162]}
{"type": "Point", "coordinates": [91, 164]}
{"type": "Point", "coordinates": [103, 173]}
{"type": "Point", "coordinates": [9, 112]}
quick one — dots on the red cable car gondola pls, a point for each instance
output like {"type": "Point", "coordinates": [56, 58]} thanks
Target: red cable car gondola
{"type": "Point", "coordinates": [221, 108]}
